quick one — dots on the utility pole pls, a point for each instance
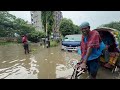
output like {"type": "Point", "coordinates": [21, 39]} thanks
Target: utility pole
{"type": "Point", "coordinates": [47, 44]}
{"type": "Point", "coordinates": [46, 25]}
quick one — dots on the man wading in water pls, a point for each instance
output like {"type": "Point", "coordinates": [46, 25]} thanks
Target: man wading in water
{"type": "Point", "coordinates": [91, 49]}
{"type": "Point", "coordinates": [25, 43]}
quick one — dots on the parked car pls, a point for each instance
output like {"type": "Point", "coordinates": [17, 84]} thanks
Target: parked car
{"type": "Point", "coordinates": [71, 42]}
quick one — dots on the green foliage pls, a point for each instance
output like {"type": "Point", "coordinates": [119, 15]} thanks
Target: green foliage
{"type": "Point", "coordinates": [9, 25]}
{"type": "Point", "coordinates": [76, 29]}
{"type": "Point", "coordinates": [53, 43]}
{"type": "Point", "coordinates": [67, 27]}
{"type": "Point", "coordinates": [114, 25]}
{"type": "Point", "coordinates": [48, 17]}
{"type": "Point", "coordinates": [35, 36]}
{"type": "Point", "coordinates": [19, 39]}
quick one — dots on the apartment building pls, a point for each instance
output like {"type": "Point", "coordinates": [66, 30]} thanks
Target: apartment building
{"type": "Point", "coordinates": [36, 20]}
{"type": "Point", "coordinates": [37, 23]}
{"type": "Point", "coordinates": [57, 17]}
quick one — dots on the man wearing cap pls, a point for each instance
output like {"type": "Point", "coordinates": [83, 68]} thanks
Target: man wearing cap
{"type": "Point", "coordinates": [91, 48]}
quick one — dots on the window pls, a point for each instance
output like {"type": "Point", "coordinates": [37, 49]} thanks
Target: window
{"type": "Point", "coordinates": [32, 20]}
{"type": "Point", "coordinates": [31, 14]}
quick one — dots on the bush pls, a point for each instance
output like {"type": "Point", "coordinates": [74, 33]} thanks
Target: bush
{"type": "Point", "coordinates": [57, 40]}
{"type": "Point", "coordinates": [53, 43]}
{"type": "Point", "coordinates": [19, 39]}
{"type": "Point", "coordinates": [35, 36]}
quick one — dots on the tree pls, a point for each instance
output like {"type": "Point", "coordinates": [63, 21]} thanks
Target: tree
{"type": "Point", "coordinates": [67, 27]}
{"type": "Point", "coordinates": [35, 36]}
{"type": "Point", "coordinates": [9, 25]}
{"type": "Point", "coordinates": [114, 25]}
{"type": "Point", "coordinates": [76, 29]}
{"type": "Point", "coordinates": [6, 23]}
{"type": "Point", "coordinates": [47, 21]}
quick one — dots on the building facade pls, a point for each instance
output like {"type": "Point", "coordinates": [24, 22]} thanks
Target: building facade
{"type": "Point", "coordinates": [37, 23]}
{"type": "Point", "coordinates": [57, 17]}
{"type": "Point", "coordinates": [36, 20]}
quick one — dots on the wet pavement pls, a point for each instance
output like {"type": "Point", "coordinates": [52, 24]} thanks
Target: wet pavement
{"type": "Point", "coordinates": [41, 63]}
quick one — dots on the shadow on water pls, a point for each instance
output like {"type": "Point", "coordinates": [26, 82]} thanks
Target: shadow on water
{"type": "Point", "coordinates": [41, 63]}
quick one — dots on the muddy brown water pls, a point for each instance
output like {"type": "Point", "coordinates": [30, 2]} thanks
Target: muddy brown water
{"type": "Point", "coordinates": [41, 63]}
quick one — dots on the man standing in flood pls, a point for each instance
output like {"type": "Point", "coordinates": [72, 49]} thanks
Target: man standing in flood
{"type": "Point", "coordinates": [91, 49]}
{"type": "Point", "coordinates": [25, 43]}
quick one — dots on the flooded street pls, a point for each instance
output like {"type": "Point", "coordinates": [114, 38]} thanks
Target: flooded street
{"type": "Point", "coordinates": [41, 63]}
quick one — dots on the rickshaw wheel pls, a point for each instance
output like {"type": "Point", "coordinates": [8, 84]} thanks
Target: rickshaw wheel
{"type": "Point", "coordinates": [118, 62]}
{"type": "Point", "coordinates": [117, 65]}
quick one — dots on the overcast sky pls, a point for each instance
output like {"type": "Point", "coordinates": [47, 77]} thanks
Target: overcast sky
{"type": "Point", "coordinates": [95, 18]}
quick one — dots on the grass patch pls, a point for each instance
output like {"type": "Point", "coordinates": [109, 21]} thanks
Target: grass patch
{"type": "Point", "coordinates": [53, 43]}
{"type": "Point", "coordinates": [7, 43]}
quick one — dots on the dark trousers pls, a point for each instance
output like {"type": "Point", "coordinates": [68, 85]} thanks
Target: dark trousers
{"type": "Point", "coordinates": [93, 66]}
{"type": "Point", "coordinates": [26, 48]}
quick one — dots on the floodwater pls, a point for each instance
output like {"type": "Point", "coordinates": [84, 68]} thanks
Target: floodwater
{"type": "Point", "coordinates": [41, 63]}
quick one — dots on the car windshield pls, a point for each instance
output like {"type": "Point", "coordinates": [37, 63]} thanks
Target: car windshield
{"type": "Point", "coordinates": [72, 38]}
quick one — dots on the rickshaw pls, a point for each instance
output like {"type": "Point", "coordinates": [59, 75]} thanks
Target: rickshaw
{"type": "Point", "coordinates": [110, 57]}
